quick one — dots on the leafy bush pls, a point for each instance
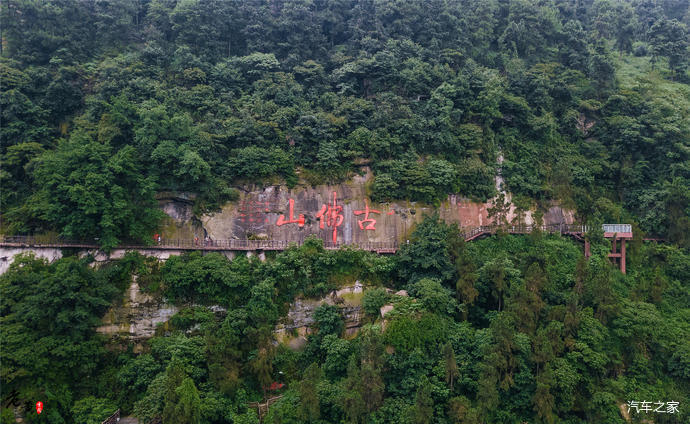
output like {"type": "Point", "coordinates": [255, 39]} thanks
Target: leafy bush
{"type": "Point", "coordinates": [328, 319]}
{"type": "Point", "coordinates": [91, 410]}
{"type": "Point", "coordinates": [407, 333]}
{"type": "Point", "coordinates": [373, 299]}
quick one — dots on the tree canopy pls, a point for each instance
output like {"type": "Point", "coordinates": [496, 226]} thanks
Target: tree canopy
{"type": "Point", "coordinates": [105, 104]}
{"type": "Point", "coordinates": [581, 102]}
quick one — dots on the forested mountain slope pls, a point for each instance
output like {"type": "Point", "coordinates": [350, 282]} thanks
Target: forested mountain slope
{"type": "Point", "coordinates": [106, 102]}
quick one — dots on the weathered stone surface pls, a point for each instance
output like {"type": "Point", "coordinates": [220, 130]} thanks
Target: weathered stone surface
{"type": "Point", "coordinates": [138, 314]}
{"type": "Point", "coordinates": [298, 343]}
{"type": "Point", "coordinates": [181, 224]}
{"type": "Point", "coordinates": [298, 322]}
{"type": "Point", "coordinates": [137, 317]}
{"type": "Point", "coordinates": [100, 256]}
{"type": "Point", "coordinates": [178, 205]}
{"type": "Point", "coordinates": [7, 255]}
{"type": "Point", "coordinates": [258, 209]}
{"type": "Point", "coordinates": [385, 309]}
{"type": "Point", "coordinates": [258, 213]}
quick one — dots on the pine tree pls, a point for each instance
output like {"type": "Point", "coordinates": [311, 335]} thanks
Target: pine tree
{"type": "Point", "coordinates": [450, 365]}
{"type": "Point", "coordinates": [461, 412]}
{"type": "Point", "coordinates": [658, 286]}
{"type": "Point", "coordinates": [175, 376]}
{"type": "Point", "coordinates": [571, 320]}
{"type": "Point", "coordinates": [188, 408]}
{"type": "Point", "coordinates": [543, 399]}
{"type": "Point", "coordinates": [309, 409]}
{"type": "Point", "coordinates": [371, 386]}
{"type": "Point", "coordinates": [465, 269]}
{"type": "Point", "coordinates": [526, 302]}
{"type": "Point", "coordinates": [423, 403]}
{"type": "Point", "coordinates": [262, 366]}
{"type": "Point", "coordinates": [352, 401]}
{"type": "Point", "coordinates": [603, 295]}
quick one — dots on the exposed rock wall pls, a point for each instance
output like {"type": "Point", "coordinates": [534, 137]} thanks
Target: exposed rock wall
{"type": "Point", "coordinates": [7, 255]}
{"type": "Point", "coordinates": [331, 212]}
{"type": "Point", "coordinates": [181, 223]}
{"type": "Point", "coordinates": [299, 321]}
{"type": "Point", "coordinates": [136, 316]}
{"type": "Point", "coordinates": [265, 212]}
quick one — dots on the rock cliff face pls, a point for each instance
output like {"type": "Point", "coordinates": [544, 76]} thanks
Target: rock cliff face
{"type": "Point", "coordinates": [136, 317]}
{"type": "Point", "coordinates": [341, 213]}
{"type": "Point", "coordinates": [181, 224]}
{"type": "Point", "coordinates": [299, 321]}
{"type": "Point", "coordinates": [7, 255]}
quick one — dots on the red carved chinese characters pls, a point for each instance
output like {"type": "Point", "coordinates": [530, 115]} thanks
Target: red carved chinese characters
{"type": "Point", "coordinates": [299, 221]}
{"type": "Point", "coordinates": [366, 211]}
{"type": "Point", "coordinates": [331, 216]}
{"type": "Point", "coordinates": [253, 212]}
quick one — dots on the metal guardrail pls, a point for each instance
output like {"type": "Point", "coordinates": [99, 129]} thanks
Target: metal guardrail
{"type": "Point", "coordinates": [46, 240]}
{"type": "Point", "coordinates": [617, 228]}
{"type": "Point", "coordinates": [525, 229]}
{"type": "Point", "coordinates": [237, 244]}
{"type": "Point", "coordinates": [187, 244]}
{"type": "Point", "coordinates": [113, 418]}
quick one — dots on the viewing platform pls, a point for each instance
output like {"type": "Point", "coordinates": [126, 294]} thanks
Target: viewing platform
{"type": "Point", "coordinates": [616, 232]}
{"type": "Point", "coordinates": [619, 231]}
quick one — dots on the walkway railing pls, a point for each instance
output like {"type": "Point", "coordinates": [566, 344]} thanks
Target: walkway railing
{"type": "Point", "coordinates": [617, 228]}
{"type": "Point", "coordinates": [473, 233]}
{"type": "Point", "coordinates": [113, 419]}
{"type": "Point", "coordinates": [187, 244]}
{"type": "Point", "coordinates": [237, 244]}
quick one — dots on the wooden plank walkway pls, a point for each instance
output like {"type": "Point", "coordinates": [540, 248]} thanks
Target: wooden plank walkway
{"type": "Point", "coordinates": [237, 244]}
{"type": "Point", "coordinates": [180, 244]}
{"type": "Point", "coordinates": [576, 231]}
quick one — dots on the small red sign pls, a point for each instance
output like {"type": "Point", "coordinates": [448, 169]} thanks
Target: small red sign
{"type": "Point", "coordinates": [275, 386]}
{"type": "Point", "coordinates": [39, 407]}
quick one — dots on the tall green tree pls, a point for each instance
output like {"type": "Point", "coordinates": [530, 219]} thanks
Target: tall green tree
{"type": "Point", "coordinates": [423, 403]}
{"type": "Point", "coordinates": [309, 409]}
{"type": "Point", "coordinates": [352, 400]}
{"type": "Point", "coordinates": [427, 253]}
{"type": "Point", "coordinates": [670, 38]}
{"type": "Point", "coordinates": [450, 365]}
{"type": "Point", "coordinates": [188, 409]}
{"type": "Point", "coordinates": [466, 271]}
{"type": "Point", "coordinates": [88, 191]}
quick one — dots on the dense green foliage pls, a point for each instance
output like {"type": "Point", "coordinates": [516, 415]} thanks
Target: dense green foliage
{"type": "Point", "coordinates": [105, 103]}
{"type": "Point", "coordinates": [547, 336]}
{"type": "Point", "coordinates": [49, 351]}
